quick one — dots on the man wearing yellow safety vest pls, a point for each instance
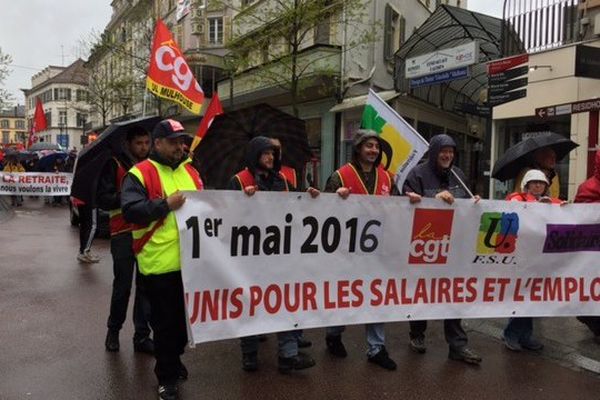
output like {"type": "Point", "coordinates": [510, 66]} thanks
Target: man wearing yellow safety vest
{"type": "Point", "coordinates": [136, 149]}
{"type": "Point", "coordinates": [151, 192]}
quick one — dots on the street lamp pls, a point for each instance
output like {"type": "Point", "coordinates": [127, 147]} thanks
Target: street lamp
{"type": "Point", "coordinates": [125, 103]}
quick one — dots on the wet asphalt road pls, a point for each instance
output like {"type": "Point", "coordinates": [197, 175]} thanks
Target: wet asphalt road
{"type": "Point", "coordinates": [52, 332]}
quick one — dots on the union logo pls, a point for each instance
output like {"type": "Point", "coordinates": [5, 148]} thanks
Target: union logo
{"type": "Point", "coordinates": [498, 233]}
{"type": "Point", "coordinates": [430, 240]}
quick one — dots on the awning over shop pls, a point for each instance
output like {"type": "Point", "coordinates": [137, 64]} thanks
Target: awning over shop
{"type": "Point", "coordinates": [449, 27]}
{"type": "Point", "coordinates": [360, 101]}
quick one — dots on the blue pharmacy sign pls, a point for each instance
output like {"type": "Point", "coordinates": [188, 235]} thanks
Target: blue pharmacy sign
{"type": "Point", "coordinates": [446, 76]}
{"type": "Point", "coordinates": [63, 140]}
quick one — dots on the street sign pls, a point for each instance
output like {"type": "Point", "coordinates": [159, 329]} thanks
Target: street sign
{"type": "Point", "coordinates": [475, 109]}
{"type": "Point", "coordinates": [506, 86]}
{"type": "Point", "coordinates": [497, 99]}
{"type": "Point", "coordinates": [587, 62]}
{"type": "Point", "coordinates": [498, 66]}
{"type": "Point", "coordinates": [442, 60]}
{"type": "Point", "coordinates": [568, 108]}
{"type": "Point", "coordinates": [447, 76]}
{"type": "Point", "coordinates": [508, 74]}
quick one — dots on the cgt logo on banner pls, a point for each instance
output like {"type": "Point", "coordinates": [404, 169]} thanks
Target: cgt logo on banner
{"type": "Point", "coordinates": [497, 238]}
{"type": "Point", "coordinates": [430, 239]}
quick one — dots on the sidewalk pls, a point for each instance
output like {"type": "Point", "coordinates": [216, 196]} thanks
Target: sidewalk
{"type": "Point", "coordinates": [566, 340]}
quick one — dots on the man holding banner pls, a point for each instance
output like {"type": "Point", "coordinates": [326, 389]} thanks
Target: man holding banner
{"type": "Point", "coordinates": [363, 175]}
{"type": "Point", "coordinates": [150, 194]}
{"type": "Point", "coordinates": [439, 178]}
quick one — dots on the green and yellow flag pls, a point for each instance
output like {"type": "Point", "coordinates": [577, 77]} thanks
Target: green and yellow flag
{"type": "Point", "coordinates": [402, 146]}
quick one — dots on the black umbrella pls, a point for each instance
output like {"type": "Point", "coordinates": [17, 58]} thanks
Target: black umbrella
{"type": "Point", "coordinates": [520, 155]}
{"type": "Point", "coordinates": [91, 159]}
{"type": "Point", "coordinates": [220, 155]}
{"type": "Point", "coordinates": [46, 163]}
{"type": "Point", "coordinates": [39, 146]}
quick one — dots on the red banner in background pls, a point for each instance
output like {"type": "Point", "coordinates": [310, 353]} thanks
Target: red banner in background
{"type": "Point", "coordinates": [39, 123]}
{"type": "Point", "coordinates": [169, 75]}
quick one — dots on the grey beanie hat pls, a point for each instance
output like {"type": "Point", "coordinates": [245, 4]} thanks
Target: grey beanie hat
{"type": "Point", "coordinates": [361, 135]}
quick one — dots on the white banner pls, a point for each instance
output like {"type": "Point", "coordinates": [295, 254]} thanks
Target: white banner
{"type": "Point", "coordinates": [281, 261]}
{"type": "Point", "coordinates": [35, 184]}
{"type": "Point", "coordinates": [442, 60]}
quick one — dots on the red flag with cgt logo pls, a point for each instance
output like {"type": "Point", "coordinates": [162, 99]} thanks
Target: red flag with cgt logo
{"type": "Point", "coordinates": [169, 75]}
{"type": "Point", "coordinates": [39, 123]}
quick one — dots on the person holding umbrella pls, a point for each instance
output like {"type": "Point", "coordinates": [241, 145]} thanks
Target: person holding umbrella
{"type": "Point", "coordinates": [151, 192]}
{"type": "Point", "coordinates": [543, 160]}
{"type": "Point", "coordinates": [441, 179]}
{"type": "Point", "coordinates": [262, 173]}
{"type": "Point", "coordinates": [137, 147]}
{"type": "Point", "coordinates": [518, 334]}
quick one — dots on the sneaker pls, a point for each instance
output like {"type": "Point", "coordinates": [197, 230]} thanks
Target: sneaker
{"type": "Point", "coordinates": [303, 343]}
{"type": "Point", "coordinates": [418, 345]}
{"type": "Point", "coordinates": [143, 345]}
{"type": "Point", "coordinates": [250, 361]}
{"type": "Point", "coordinates": [83, 257]}
{"type": "Point", "coordinates": [383, 359]}
{"type": "Point", "coordinates": [532, 344]}
{"type": "Point", "coordinates": [511, 344]}
{"type": "Point", "coordinates": [335, 346]}
{"type": "Point", "coordinates": [301, 361]}
{"type": "Point", "coordinates": [183, 373]}
{"type": "Point", "coordinates": [465, 354]}
{"type": "Point", "coordinates": [168, 392]}
{"type": "Point", "coordinates": [91, 256]}
{"type": "Point", "coordinates": [112, 341]}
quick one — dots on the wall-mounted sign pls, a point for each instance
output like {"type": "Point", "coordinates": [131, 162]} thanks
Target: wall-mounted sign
{"type": "Point", "coordinates": [568, 108]}
{"type": "Point", "coordinates": [442, 60]}
{"type": "Point", "coordinates": [587, 62]}
{"type": "Point", "coordinates": [502, 85]}
{"type": "Point", "coordinates": [446, 76]}
{"type": "Point", "coordinates": [503, 64]}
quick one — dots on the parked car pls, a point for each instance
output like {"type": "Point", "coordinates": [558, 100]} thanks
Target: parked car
{"type": "Point", "coordinates": [103, 228]}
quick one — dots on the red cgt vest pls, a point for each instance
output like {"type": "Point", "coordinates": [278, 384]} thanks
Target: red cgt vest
{"type": "Point", "coordinates": [290, 175]}
{"type": "Point", "coordinates": [518, 196]}
{"type": "Point", "coordinates": [245, 178]}
{"type": "Point", "coordinates": [351, 179]}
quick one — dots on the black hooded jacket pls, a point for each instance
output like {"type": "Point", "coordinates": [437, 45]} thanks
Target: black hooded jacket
{"type": "Point", "coordinates": [427, 179]}
{"type": "Point", "coordinates": [270, 181]}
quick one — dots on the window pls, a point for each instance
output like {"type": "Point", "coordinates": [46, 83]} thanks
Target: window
{"type": "Point", "coordinates": [62, 94]}
{"type": "Point", "coordinates": [81, 119]}
{"type": "Point", "coordinates": [5, 137]}
{"type": "Point", "coordinates": [20, 124]}
{"type": "Point", "coordinates": [48, 118]}
{"type": "Point", "coordinates": [394, 32]}
{"type": "Point", "coordinates": [5, 124]}
{"type": "Point", "coordinates": [215, 30]}
{"type": "Point", "coordinates": [247, 2]}
{"type": "Point", "coordinates": [62, 118]}
{"type": "Point", "coordinates": [82, 95]}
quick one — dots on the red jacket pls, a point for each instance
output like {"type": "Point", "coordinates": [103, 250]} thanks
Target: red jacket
{"type": "Point", "coordinates": [589, 191]}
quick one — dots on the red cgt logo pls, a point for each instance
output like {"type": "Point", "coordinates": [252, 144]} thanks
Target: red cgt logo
{"type": "Point", "coordinates": [430, 236]}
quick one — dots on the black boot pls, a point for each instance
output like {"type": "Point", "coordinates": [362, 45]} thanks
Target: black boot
{"type": "Point", "coordinates": [112, 341]}
{"type": "Point", "coordinates": [335, 346]}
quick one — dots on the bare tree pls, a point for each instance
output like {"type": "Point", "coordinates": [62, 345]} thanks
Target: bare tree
{"type": "Point", "coordinates": [5, 97]}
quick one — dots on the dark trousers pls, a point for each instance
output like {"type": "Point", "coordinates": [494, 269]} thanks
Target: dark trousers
{"type": "Point", "coordinates": [593, 323]}
{"type": "Point", "coordinates": [88, 219]}
{"type": "Point", "coordinates": [456, 337]}
{"type": "Point", "coordinates": [167, 320]}
{"type": "Point", "coordinates": [124, 265]}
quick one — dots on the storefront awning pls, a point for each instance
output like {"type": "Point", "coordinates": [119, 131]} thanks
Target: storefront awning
{"type": "Point", "coordinates": [360, 101]}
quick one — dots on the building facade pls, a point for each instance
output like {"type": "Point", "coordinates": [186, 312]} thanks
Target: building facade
{"type": "Point", "coordinates": [13, 125]}
{"type": "Point", "coordinates": [63, 92]}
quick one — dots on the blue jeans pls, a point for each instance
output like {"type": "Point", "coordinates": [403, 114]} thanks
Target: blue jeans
{"type": "Point", "coordinates": [287, 342]}
{"type": "Point", "coordinates": [519, 329]}
{"type": "Point", "coordinates": [375, 336]}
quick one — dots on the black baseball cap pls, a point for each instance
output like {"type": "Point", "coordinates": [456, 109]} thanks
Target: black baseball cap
{"type": "Point", "coordinates": [169, 129]}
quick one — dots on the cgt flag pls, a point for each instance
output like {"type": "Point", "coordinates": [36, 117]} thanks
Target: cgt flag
{"type": "Point", "coordinates": [169, 75]}
{"type": "Point", "coordinates": [214, 108]}
{"type": "Point", "coordinates": [39, 123]}
{"type": "Point", "coordinates": [402, 145]}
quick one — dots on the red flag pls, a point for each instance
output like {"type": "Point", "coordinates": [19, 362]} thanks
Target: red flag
{"type": "Point", "coordinates": [39, 123]}
{"type": "Point", "coordinates": [169, 75]}
{"type": "Point", "coordinates": [214, 108]}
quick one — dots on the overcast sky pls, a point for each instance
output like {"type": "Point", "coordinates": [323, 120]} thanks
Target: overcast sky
{"type": "Point", "coordinates": [38, 33]}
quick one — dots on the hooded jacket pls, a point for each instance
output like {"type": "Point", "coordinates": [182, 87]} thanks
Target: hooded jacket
{"type": "Point", "coordinates": [589, 191]}
{"type": "Point", "coordinates": [270, 181]}
{"type": "Point", "coordinates": [427, 179]}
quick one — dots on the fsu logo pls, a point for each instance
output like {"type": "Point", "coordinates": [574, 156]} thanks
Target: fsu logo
{"type": "Point", "coordinates": [497, 238]}
{"type": "Point", "coordinates": [431, 236]}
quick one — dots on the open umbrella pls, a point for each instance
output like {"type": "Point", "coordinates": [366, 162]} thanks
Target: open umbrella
{"type": "Point", "coordinates": [520, 155]}
{"type": "Point", "coordinates": [39, 146]}
{"type": "Point", "coordinates": [91, 159]}
{"type": "Point", "coordinates": [220, 155]}
{"type": "Point", "coordinates": [46, 163]}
